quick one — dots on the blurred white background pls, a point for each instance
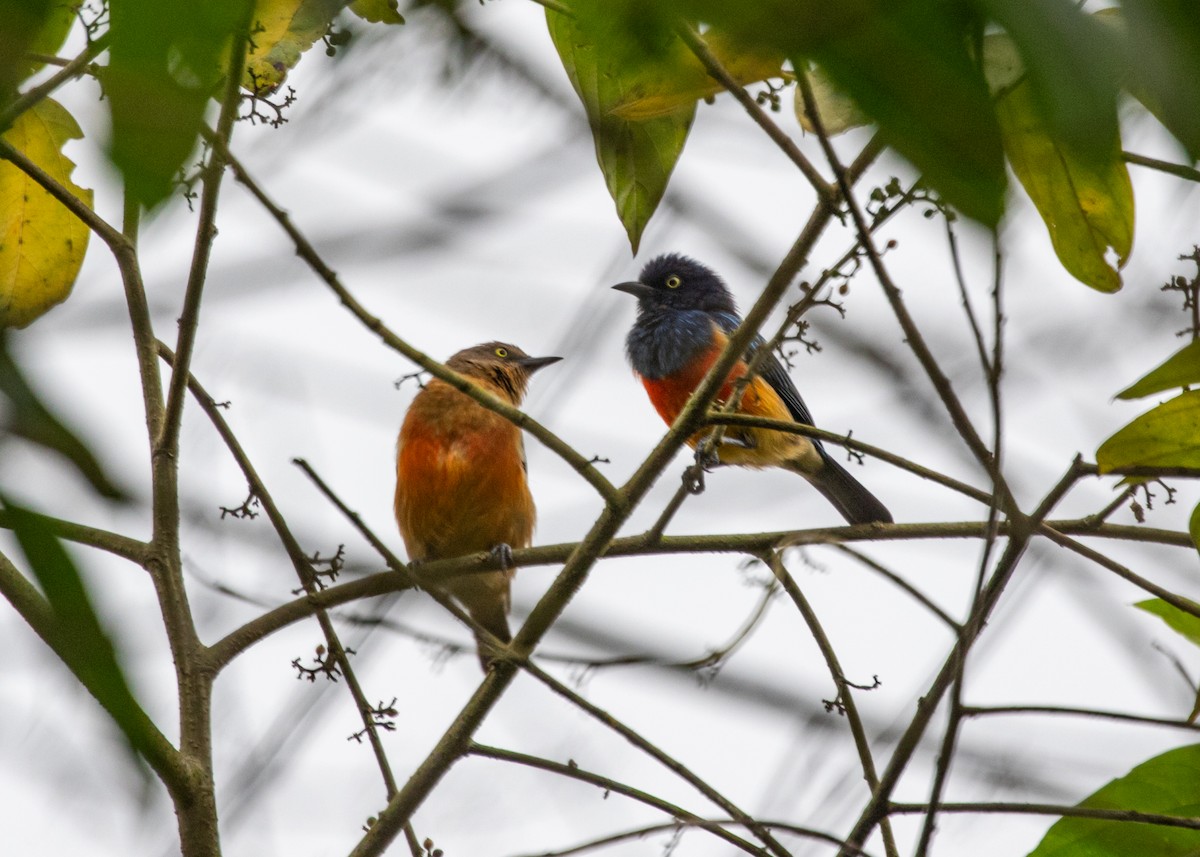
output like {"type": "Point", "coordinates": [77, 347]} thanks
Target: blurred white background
{"type": "Point", "coordinates": [459, 199]}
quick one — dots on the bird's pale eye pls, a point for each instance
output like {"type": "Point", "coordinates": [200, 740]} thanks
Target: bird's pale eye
{"type": "Point", "coordinates": [673, 282]}
{"type": "Point", "coordinates": [501, 352]}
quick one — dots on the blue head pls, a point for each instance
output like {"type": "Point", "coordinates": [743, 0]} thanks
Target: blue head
{"type": "Point", "coordinates": [678, 301]}
{"type": "Point", "coordinates": [675, 282]}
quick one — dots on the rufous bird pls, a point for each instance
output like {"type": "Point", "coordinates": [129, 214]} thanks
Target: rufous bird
{"type": "Point", "coordinates": [461, 483]}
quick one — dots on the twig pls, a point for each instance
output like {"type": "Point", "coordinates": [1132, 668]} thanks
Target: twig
{"type": "Point", "coordinates": [69, 71]}
{"type": "Point", "coordinates": [114, 543]}
{"type": "Point", "coordinates": [658, 754]}
{"type": "Point", "coordinates": [305, 250]}
{"type": "Point", "coordinates": [1181, 170]}
{"type": "Point", "coordinates": [826, 192]}
{"type": "Point", "coordinates": [300, 562]}
{"type": "Point", "coordinates": [1119, 815]}
{"type": "Point", "coordinates": [238, 640]}
{"type": "Point", "coordinates": [844, 701]}
{"type": "Point", "coordinates": [574, 772]}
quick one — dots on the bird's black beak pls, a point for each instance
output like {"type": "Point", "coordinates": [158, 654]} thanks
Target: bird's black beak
{"type": "Point", "coordinates": [638, 290]}
{"type": "Point", "coordinates": [532, 364]}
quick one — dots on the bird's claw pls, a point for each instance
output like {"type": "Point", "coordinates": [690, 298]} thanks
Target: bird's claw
{"type": "Point", "coordinates": [708, 459]}
{"type": "Point", "coordinates": [503, 554]}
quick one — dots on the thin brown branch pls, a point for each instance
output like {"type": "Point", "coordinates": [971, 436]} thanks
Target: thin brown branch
{"type": "Point", "coordinates": [1182, 171]}
{"type": "Point", "coordinates": [301, 564]}
{"type": "Point", "coordinates": [657, 753]}
{"type": "Point", "coordinates": [754, 544]}
{"type": "Point", "coordinates": [826, 191]}
{"type": "Point", "coordinates": [1023, 528]}
{"type": "Point", "coordinates": [1096, 713]}
{"type": "Point", "coordinates": [584, 556]}
{"type": "Point", "coordinates": [900, 582]}
{"type": "Point", "coordinates": [574, 772]}
{"type": "Point", "coordinates": [844, 701]}
{"type": "Point", "coordinates": [305, 250]}
{"type": "Point", "coordinates": [69, 71]}
{"type": "Point", "coordinates": [114, 543]}
{"type": "Point", "coordinates": [1120, 815]}
{"type": "Point", "coordinates": [650, 829]}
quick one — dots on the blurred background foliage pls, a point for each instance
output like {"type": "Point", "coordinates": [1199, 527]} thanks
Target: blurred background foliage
{"type": "Point", "coordinates": [955, 88]}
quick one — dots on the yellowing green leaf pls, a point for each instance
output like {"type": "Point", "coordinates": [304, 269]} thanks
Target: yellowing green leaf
{"type": "Point", "coordinates": [1184, 624]}
{"type": "Point", "coordinates": [281, 32]}
{"type": "Point", "coordinates": [1168, 436]}
{"type": "Point", "coordinates": [1168, 785]}
{"type": "Point", "coordinates": [681, 85]}
{"type": "Point", "coordinates": [837, 111]}
{"type": "Point", "coordinates": [41, 243]}
{"type": "Point", "coordinates": [1180, 370]}
{"type": "Point", "coordinates": [377, 11]}
{"type": "Point", "coordinates": [1087, 204]}
{"type": "Point", "coordinates": [636, 158]}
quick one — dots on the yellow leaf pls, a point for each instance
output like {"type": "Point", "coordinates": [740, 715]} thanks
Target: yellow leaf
{"type": "Point", "coordinates": [1087, 205]}
{"type": "Point", "coordinates": [281, 32]}
{"type": "Point", "coordinates": [688, 80]}
{"type": "Point", "coordinates": [377, 11]}
{"type": "Point", "coordinates": [41, 242]}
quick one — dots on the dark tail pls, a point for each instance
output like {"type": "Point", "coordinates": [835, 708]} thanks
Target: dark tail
{"type": "Point", "coordinates": [855, 503]}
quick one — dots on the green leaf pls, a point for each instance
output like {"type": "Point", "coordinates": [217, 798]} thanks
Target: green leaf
{"type": "Point", "coordinates": [29, 418]}
{"type": "Point", "coordinates": [1164, 47]}
{"type": "Point", "coordinates": [42, 244]}
{"type": "Point", "coordinates": [1180, 370]}
{"type": "Point", "coordinates": [77, 635]}
{"type": "Point", "coordinates": [907, 66]}
{"type": "Point", "coordinates": [1167, 785]}
{"type": "Point", "coordinates": [1194, 526]}
{"type": "Point", "coordinates": [377, 11]}
{"type": "Point", "coordinates": [1167, 436]}
{"type": "Point", "coordinates": [1087, 204]}
{"type": "Point", "coordinates": [1184, 624]}
{"type": "Point", "coordinates": [167, 59]}
{"type": "Point", "coordinates": [283, 30]}
{"type": "Point", "coordinates": [688, 81]}
{"type": "Point", "coordinates": [21, 23]}
{"type": "Point", "coordinates": [636, 157]}
{"type": "Point", "coordinates": [1073, 65]}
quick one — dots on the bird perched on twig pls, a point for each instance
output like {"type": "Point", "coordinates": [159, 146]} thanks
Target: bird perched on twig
{"type": "Point", "coordinates": [461, 485]}
{"type": "Point", "coordinates": [684, 319]}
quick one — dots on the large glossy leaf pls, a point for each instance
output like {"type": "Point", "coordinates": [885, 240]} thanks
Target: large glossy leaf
{"type": "Point", "coordinates": [651, 97]}
{"type": "Point", "coordinates": [1164, 51]}
{"type": "Point", "coordinates": [167, 58]}
{"type": "Point", "coordinates": [1073, 65]}
{"type": "Point", "coordinates": [1167, 785]}
{"type": "Point", "coordinates": [76, 634]}
{"type": "Point", "coordinates": [636, 157]}
{"type": "Point", "coordinates": [42, 243]}
{"type": "Point", "coordinates": [21, 21]}
{"type": "Point", "coordinates": [58, 23]}
{"type": "Point", "coordinates": [907, 65]}
{"type": "Point", "coordinates": [1087, 203]}
{"type": "Point", "coordinates": [283, 31]}
{"type": "Point", "coordinates": [1181, 369]}
{"type": "Point", "coordinates": [1168, 436]}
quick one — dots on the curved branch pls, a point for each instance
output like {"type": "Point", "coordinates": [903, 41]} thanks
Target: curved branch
{"type": "Point", "coordinates": [114, 543]}
{"type": "Point", "coordinates": [574, 772]}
